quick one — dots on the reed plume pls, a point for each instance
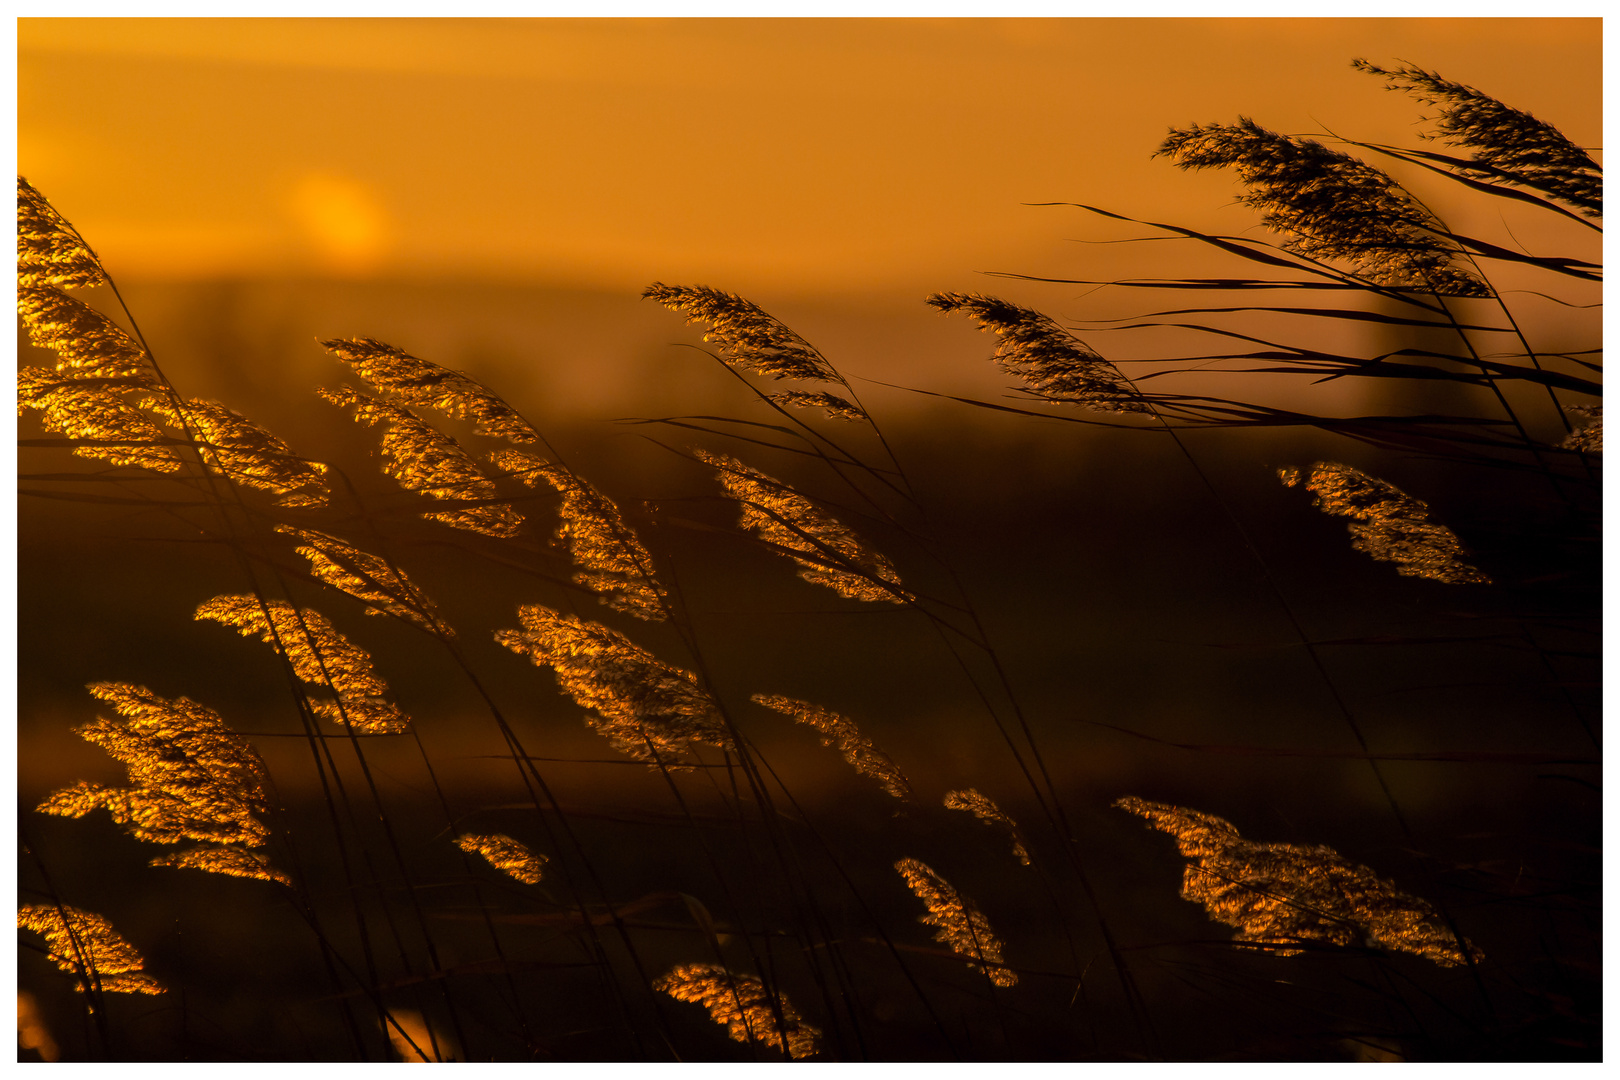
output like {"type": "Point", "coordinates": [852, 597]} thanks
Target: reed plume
{"type": "Point", "coordinates": [1285, 894]}
{"type": "Point", "coordinates": [612, 561]}
{"type": "Point", "coordinates": [1331, 206]}
{"type": "Point", "coordinates": [85, 944]}
{"type": "Point", "coordinates": [102, 424]}
{"type": "Point", "coordinates": [983, 808]}
{"type": "Point", "coordinates": [231, 860]}
{"type": "Point", "coordinates": [423, 384]}
{"type": "Point", "coordinates": [1388, 524]}
{"type": "Point", "coordinates": [422, 459]}
{"type": "Point", "coordinates": [748, 337]}
{"type": "Point", "coordinates": [643, 706]}
{"type": "Point", "coordinates": [836, 407]}
{"type": "Point", "coordinates": [831, 555]}
{"type": "Point", "coordinates": [1054, 363]}
{"type": "Point", "coordinates": [1588, 438]}
{"type": "Point", "coordinates": [841, 732]}
{"type": "Point", "coordinates": [243, 451]}
{"type": "Point", "coordinates": [367, 578]}
{"type": "Point", "coordinates": [742, 1005]}
{"type": "Point", "coordinates": [191, 776]}
{"type": "Point", "coordinates": [85, 341]}
{"type": "Point", "coordinates": [50, 251]}
{"type": "Point", "coordinates": [319, 656]}
{"type": "Point", "coordinates": [506, 855]}
{"type": "Point", "coordinates": [1510, 145]}
{"type": "Point", "coordinates": [961, 926]}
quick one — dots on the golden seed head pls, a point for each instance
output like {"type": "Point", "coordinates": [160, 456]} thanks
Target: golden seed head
{"type": "Point", "coordinates": [1331, 206]}
{"type": "Point", "coordinates": [747, 337]}
{"type": "Point", "coordinates": [1056, 365]}
{"type": "Point", "coordinates": [191, 777]}
{"type": "Point", "coordinates": [424, 460]}
{"type": "Point", "coordinates": [831, 554]}
{"type": "Point", "coordinates": [841, 732]}
{"type": "Point", "coordinates": [960, 925]}
{"type": "Point", "coordinates": [49, 250]}
{"type": "Point", "coordinates": [505, 854]}
{"type": "Point", "coordinates": [643, 706]}
{"type": "Point", "coordinates": [319, 656]}
{"type": "Point", "coordinates": [741, 1003]}
{"type": "Point", "coordinates": [85, 944]}
{"type": "Point", "coordinates": [369, 579]}
{"type": "Point", "coordinates": [1389, 524]}
{"type": "Point", "coordinates": [983, 808]}
{"type": "Point", "coordinates": [1286, 894]}
{"type": "Point", "coordinates": [423, 384]}
{"type": "Point", "coordinates": [612, 561]}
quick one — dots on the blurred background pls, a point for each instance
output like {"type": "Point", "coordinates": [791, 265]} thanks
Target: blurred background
{"type": "Point", "coordinates": [494, 194]}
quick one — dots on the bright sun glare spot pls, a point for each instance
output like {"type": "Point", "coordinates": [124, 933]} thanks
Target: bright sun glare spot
{"type": "Point", "coordinates": [342, 221]}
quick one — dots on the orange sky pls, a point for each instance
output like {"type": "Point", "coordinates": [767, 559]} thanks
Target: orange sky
{"type": "Point", "coordinates": [806, 155]}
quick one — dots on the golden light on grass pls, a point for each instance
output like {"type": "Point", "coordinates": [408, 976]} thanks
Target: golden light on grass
{"type": "Point", "coordinates": [961, 926]}
{"type": "Point", "coordinates": [506, 855]}
{"type": "Point", "coordinates": [368, 578]}
{"type": "Point", "coordinates": [320, 657]}
{"type": "Point", "coordinates": [741, 1003]}
{"type": "Point", "coordinates": [83, 943]}
{"type": "Point", "coordinates": [416, 1041]}
{"type": "Point", "coordinates": [191, 776]}
{"type": "Point", "coordinates": [382, 903]}
{"type": "Point", "coordinates": [1388, 524]}
{"type": "Point", "coordinates": [422, 459]}
{"type": "Point", "coordinates": [831, 555]}
{"type": "Point", "coordinates": [985, 809]}
{"type": "Point", "coordinates": [841, 732]}
{"type": "Point", "coordinates": [1285, 895]}
{"type": "Point", "coordinates": [646, 708]}
{"type": "Point", "coordinates": [612, 561]}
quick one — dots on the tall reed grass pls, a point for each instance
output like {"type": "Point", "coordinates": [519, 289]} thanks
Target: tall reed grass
{"type": "Point", "coordinates": [448, 921]}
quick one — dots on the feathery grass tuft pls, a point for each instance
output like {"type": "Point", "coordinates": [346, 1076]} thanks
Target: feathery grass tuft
{"type": "Point", "coordinates": [613, 563]}
{"type": "Point", "coordinates": [49, 250]}
{"type": "Point", "coordinates": [422, 459]}
{"type": "Point", "coordinates": [231, 860]}
{"type": "Point", "coordinates": [191, 776]}
{"type": "Point", "coordinates": [961, 926]}
{"type": "Point", "coordinates": [836, 407]}
{"type": "Point", "coordinates": [244, 452]}
{"type": "Point", "coordinates": [742, 1005]}
{"type": "Point", "coordinates": [831, 555]}
{"type": "Point", "coordinates": [841, 732]}
{"type": "Point", "coordinates": [1511, 145]}
{"type": "Point", "coordinates": [102, 424]}
{"type": "Point", "coordinates": [320, 656]}
{"type": "Point", "coordinates": [1388, 524]}
{"type": "Point", "coordinates": [983, 808]}
{"type": "Point", "coordinates": [85, 944]}
{"type": "Point", "coordinates": [747, 336]}
{"type": "Point", "coordinates": [1285, 894]}
{"type": "Point", "coordinates": [421, 383]}
{"type": "Point", "coordinates": [644, 707]}
{"type": "Point", "coordinates": [84, 340]}
{"type": "Point", "coordinates": [1054, 363]}
{"type": "Point", "coordinates": [372, 581]}
{"type": "Point", "coordinates": [1331, 205]}
{"type": "Point", "coordinates": [506, 855]}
